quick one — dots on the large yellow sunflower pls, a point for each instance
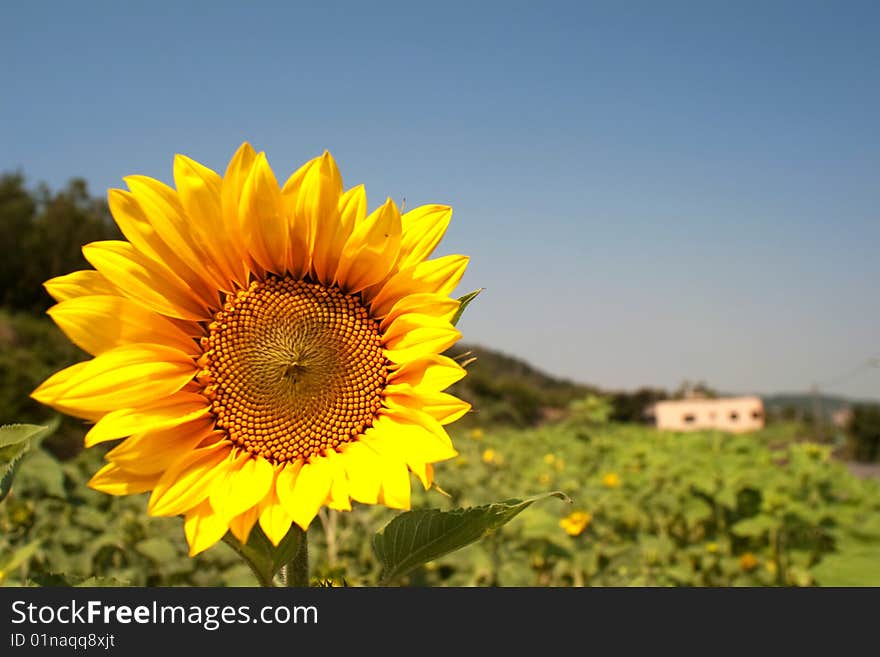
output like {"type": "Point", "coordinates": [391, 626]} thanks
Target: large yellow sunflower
{"type": "Point", "coordinates": [263, 350]}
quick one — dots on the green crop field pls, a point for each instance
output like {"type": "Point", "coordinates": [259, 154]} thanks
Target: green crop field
{"type": "Point", "coordinates": [647, 508]}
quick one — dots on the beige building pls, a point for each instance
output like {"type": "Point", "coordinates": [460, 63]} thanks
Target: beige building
{"type": "Point", "coordinates": [736, 414]}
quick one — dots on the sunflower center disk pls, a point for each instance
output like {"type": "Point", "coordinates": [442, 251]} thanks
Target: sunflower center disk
{"type": "Point", "coordinates": [293, 369]}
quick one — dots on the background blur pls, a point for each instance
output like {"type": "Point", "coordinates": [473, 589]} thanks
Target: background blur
{"type": "Point", "coordinates": [661, 202]}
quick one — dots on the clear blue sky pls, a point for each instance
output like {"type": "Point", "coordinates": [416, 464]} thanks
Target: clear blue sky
{"type": "Point", "coordinates": [650, 192]}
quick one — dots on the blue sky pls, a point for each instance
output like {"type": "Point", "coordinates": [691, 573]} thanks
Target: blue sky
{"type": "Point", "coordinates": [650, 192]}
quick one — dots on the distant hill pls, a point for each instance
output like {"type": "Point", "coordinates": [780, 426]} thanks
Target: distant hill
{"type": "Point", "coordinates": [506, 389]}
{"type": "Point", "coordinates": [802, 403]}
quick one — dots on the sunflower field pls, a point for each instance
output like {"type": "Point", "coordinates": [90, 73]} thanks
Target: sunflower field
{"type": "Point", "coordinates": [647, 508]}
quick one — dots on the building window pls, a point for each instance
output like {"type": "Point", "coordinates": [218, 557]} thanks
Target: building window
{"type": "Point", "coordinates": [734, 416]}
{"type": "Point", "coordinates": [690, 419]}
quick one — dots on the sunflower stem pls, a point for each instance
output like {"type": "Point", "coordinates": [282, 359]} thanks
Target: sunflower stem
{"type": "Point", "coordinates": [296, 571]}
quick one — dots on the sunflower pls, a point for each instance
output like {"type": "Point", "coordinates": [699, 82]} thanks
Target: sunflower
{"type": "Point", "coordinates": [263, 350]}
{"type": "Point", "coordinates": [576, 522]}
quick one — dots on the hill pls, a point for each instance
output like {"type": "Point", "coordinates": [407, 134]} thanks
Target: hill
{"type": "Point", "coordinates": [801, 404]}
{"type": "Point", "coordinates": [507, 390]}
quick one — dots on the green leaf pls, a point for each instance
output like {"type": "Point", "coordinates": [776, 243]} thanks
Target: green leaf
{"type": "Point", "coordinates": [11, 434]}
{"type": "Point", "coordinates": [264, 559]}
{"type": "Point", "coordinates": [755, 526]}
{"type": "Point", "coordinates": [160, 550]}
{"type": "Point", "coordinates": [463, 303]}
{"type": "Point", "coordinates": [43, 473]}
{"type": "Point", "coordinates": [415, 537]}
{"type": "Point", "coordinates": [17, 558]}
{"type": "Point", "coordinates": [15, 440]}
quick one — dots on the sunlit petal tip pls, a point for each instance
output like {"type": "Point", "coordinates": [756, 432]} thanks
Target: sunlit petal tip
{"type": "Point", "coordinates": [113, 480]}
{"type": "Point", "coordinates": [77, 284]}
{"type": "Point", "coordinates": [241, 525]}
{"type": "Point", "coordinates": [245, 151]}
{"type": "Point", "coordinates": [203, 528]}
{"type": "Point", "coordinates": [188, 481]}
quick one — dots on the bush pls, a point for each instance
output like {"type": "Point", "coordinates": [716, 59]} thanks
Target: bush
{"type": "Point", "coordinates": [864, 432]}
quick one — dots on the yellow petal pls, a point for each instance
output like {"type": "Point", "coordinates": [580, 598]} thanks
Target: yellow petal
{"type": "Point", "coordinates": [169, 219]}
{"type": "Point", "coordinates": [425, 303]}
{"type": "Point", "coordinates": [414, 336]}
{"type": "Point", "coordinates": [177, 409]}
{"type": "Point", "coordinates": [409, 441]}
{"type": "Point", "coordinates": [399, 333]}
{"type": "Point", "coordinates": [371, 250]}
{"type": "Point", "coordinates": [439, 276]}
{"type": "Point", "coordinates": [441, 406]}
{"type": "Point", "coordinates": [241, 525]}
{"type": "Point", "coordinates": [423, 228]}
{"type": "Point", "coordinates": [126, 376]}
{"type": "Point", "coordinates": [419, 417]}
{"type": "Point", "coordinates": [138, 220]}
{"type": "Point", "coordinates": [317, 203]}
{"type": "Point", "coordinates": [413, 445]}
{"type": "Point", "coordinates": [433, 372]}
{"type": "Point", "coordinates": [144, 281]}
{"type": "Point", "coordinates": [113, 480]}
{"type": "Point", "coordinates": [246, 483]}
{"type": "Point", "coordinates": [203, 528]}
{"type": "Point", "coordinates": [188, 481]}
{"type": "Point", "coordinates": [264, 226]}
{"type": "Point", "coordinates": [285, 483]}
{"type": "Point", "coordinates": [78, 284]}
{"type": "Point", "coordinates": [424, 472]}
{"type": "Point", "coordinates": [154, 451]}
{"type": "Point", "coordinates": [301, 229]}
{"type": "Point", "coordinates": [233, 184]}
{"type": "Point", "coordinates": [338, 498]}
{"type": "Point", "coordinates": [51, 392]}
{"type": "Point", "coordinates": [199, 191]}
{"type": "Point", "coordinates": [362, 471]}
{"type": "Point", "coordinates": [309, 492]}
{"type": "Point", "coordinates": [274, 518]}
{"type": "Point", "coordinates": [99, 323]}
{"type": "Point", "coordinates": [395, 491]}
{"type": "Point", "coordinates": [353, 208]}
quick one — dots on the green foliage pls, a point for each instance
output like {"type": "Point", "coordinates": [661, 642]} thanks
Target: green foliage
{"type": "Point", "coordinates": [264, 559]}
{"type": "Point", "coordinates": [415, 537]}
{"type": "Point", "coordinates": [631, 406]}
{"type": "Point", "coordinates": [31, 349]}
{"type": "Point", "coordinates": [76, 536]}
{"type": "Point", "coordinates": [864, 432]}
{"type": "Point", "coordinates": [664, 509]}
{"type": "Point", "coordinates": [41, 233]}
{"type": "Point", "coordinates": [591, 410]}
{"type": "Point", "coordinates": [15, 441]}
{"type": "Point", "coordinates": [701, 509]}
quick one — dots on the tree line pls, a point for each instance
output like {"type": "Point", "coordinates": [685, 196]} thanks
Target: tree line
{"type": "Point", "coordinates": [41, 235]}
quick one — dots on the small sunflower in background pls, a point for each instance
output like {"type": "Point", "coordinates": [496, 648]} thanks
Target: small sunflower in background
{"type": "Point", "coordinates": [611, 480]}
{"type": "Point", "coordinates": [264, 350]}
{"type": "Point", "coordinates": [576, 522]}
{"type": "Point", "coordinates": [748, 561]}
